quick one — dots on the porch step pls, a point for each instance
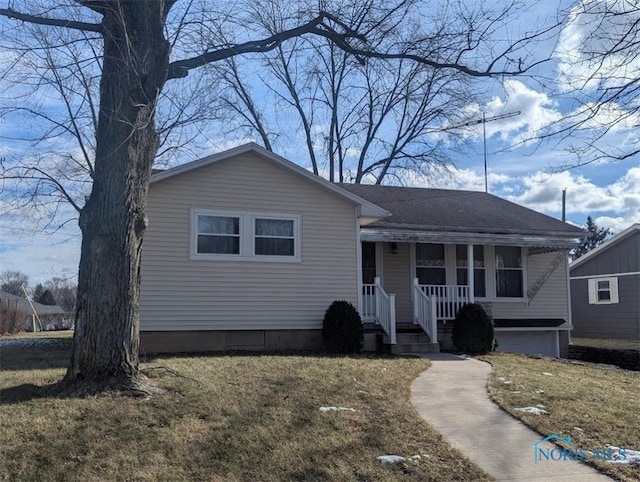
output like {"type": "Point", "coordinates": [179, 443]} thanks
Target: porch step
{"type": "Point", "coordinates": [413, 342]}
{"type": "Point", "coordinates": [402, 348]}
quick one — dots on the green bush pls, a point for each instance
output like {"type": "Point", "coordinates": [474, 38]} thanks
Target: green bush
{"type": "Point", "coordinates": [342, 330]}
{"type": "Point", "coordinates": [473, 330]}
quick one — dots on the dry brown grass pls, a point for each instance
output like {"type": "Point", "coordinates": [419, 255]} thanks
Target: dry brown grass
{"type": "Point", "coordinates": [236, 418]}
{"type": "Point", "coordinates": [603, 402]}
{"type": "Point", "coordinates": [607, 343]}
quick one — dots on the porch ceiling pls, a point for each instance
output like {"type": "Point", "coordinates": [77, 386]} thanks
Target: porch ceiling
{"type": "Point", "coordinates": [448, 237]}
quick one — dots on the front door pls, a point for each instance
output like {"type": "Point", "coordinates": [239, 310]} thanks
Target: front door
{"type": "Point", "coordinates": [368, 280]}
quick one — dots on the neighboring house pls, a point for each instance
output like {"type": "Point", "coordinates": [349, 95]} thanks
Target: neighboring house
{"type": "Point", "coordinates": [605, 288]}
{"type": "Point", "coordinates": [246, 250]}
{"type": "Point", "coordinates": [23, 309]}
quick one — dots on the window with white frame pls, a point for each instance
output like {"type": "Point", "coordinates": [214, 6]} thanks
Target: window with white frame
{"type": "Point", "coordinates": [245, 236]}
{"type": "Point", "coordinates": [603, 291]}
{"type": "Point", "coordinates": [218, 234]}
{"type": "Point", "coordinates": [274, 237]}
{"type": "Point", "coordinates": [430, 264]}
{"type": "Point", "coordinates": [509, 272]}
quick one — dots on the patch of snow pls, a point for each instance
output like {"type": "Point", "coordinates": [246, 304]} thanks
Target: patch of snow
{"type": "Point", "coordinates": [539, 391]}
{"type": "Point", "coordinates": [502, 379]}
{"type": "Point", "coordinates": [390, 459]}
{"type": "Point", "coordinates": [337, 409]}
{"type": "Point", "coordinates": [578, 429]}
{"type": "Point", "coordinates": [515, 391]}
{"type": "Point", "coordinates": [547, 374]}
{"type": "Point", "coordinates": [540, 406]}
{"type": "Point", "coordinates": [625, 456]}
{"type": "Point", "coordinates": [363, 392]}
{"type": "Point", "coordinates": [415, 457]}
{"type": "Point", "coordinates": [534, 410]}
{"type": "Point", "coordinates": [507, 382]}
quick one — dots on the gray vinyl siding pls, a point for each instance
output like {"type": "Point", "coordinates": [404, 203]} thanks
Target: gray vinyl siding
{"type": "Point", "coordinates": [618, 320]}
{"type": "Point", "coordinates": [397, 279]}
{"type": "Point", "coordinates": [551, 301]}
{"type": "Point", "coordinates": [179, 293]}
{"type": "Point", "coordinates": [622, 257]}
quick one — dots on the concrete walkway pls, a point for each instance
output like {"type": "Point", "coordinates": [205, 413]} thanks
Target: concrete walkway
{"type": "Point", "coordinates": [452, 397]}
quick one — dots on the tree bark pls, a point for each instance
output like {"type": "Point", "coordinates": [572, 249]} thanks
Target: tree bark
{"type": "Point", "coordinates": [113, 220]}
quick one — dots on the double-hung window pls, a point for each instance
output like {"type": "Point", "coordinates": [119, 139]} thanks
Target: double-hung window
{"type": "Point", "coordinates": [603, 291]}
{"type": "Point", "coordinates": [218, 234]}
{"type": "Point", "coordinates": [274, 237]}
{"type": "Point", "coordinates": [245, 236]}
{"type": "Point", "coordinates": [430, 265]}
{"type": "Point", "coordinates": [509, 272]}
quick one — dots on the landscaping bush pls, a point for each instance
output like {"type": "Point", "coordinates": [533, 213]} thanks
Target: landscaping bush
{"type": "Point", "coordinates": [473, 330]}
{"type": "Point", "coordinates": [342, 330]}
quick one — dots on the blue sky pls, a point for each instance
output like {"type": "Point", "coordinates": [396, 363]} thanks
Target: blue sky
{"type": "Point", "coordinates": [519, 170]}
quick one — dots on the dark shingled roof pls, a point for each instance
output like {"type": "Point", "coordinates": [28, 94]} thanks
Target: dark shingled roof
{"type": "Point", "coordinates": [445, 209]}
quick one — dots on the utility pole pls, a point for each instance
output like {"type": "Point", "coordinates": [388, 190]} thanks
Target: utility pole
{"type": "Point", "coordinates": [484, 121]}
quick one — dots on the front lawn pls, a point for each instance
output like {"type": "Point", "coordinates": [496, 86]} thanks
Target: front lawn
{"type": "Point", "coordinates": [597, 406]}
{"type": "Point", "coordinates": [609, 343]}
{"type": "Point", "coordinates": [231, 418]}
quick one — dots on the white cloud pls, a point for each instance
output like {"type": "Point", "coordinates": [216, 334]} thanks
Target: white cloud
{"type": "Point", "coordinates": [616, 205]}
{"type": "Point", "coordinates": [532, 111]}
{"type": "Point", "coordinates": [588, 52]}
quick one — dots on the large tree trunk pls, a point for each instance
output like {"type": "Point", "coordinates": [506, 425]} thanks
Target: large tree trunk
{"type": "Point", "coordinates": [113, 221]}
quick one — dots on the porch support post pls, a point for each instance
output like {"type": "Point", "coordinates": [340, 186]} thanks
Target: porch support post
{"type": "Point", "coordinates": [470, 279]}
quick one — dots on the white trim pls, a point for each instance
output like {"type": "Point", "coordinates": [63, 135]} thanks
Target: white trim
{"type": "Point", "coordinates": [617, 275]}
{"type": "Point", "coordinates": [606, 245]}
{"type": "Point", "coordinates": [364, 208]}
{"type": "Point", "coordinates": [592, 284]}
{"type": "Point", "coordinates": [247, 236]}
{"type": "Point", "coordinates": [471, 275]}
{"type": "Point", "coordinates": [359, 264]}
{"type": "Point", "coordinates": [569, 310]}
{"type": "Point", "coordinates": [379, 261]}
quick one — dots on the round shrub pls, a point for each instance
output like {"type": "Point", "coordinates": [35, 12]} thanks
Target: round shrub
{"type": "Point", "coordinates": [342, 330]}
{"type": "Point", "coordinates": [473, 330]}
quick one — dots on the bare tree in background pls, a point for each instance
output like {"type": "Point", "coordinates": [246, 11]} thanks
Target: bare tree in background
{"type": "Point", "coordinates": [136, 47]}
{"type": "Point", "coordinates": [600, 78]}
{"type": "Point", "coordinates": [12, 282]}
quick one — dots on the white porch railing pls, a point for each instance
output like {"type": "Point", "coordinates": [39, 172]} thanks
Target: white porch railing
{"type": "Point", "coordinates": [449, 299]}
{"type": "Point", "coordinates": [425, 311]}
{"type": "Point", "coordinates": [368, 303]}
{"type": "Point", "coordinates": [385, 311]}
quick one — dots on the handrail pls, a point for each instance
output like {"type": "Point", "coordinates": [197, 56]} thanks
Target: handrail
{"type": "Point", "coordinates": [386, 311]}
{"type": "Point", "coordinates": [450, 299]}
{"type": "Point", "coordinates": [424, 311]}
{"type": "Point", "coordinates": [368, 302]}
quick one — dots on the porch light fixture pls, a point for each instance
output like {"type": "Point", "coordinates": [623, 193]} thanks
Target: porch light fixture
{"type": "Point", "coordinates": [394, 248]}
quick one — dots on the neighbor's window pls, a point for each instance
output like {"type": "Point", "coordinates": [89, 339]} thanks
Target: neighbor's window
{"type": "Point", "coordinates": [509, 272]}
{"type": "Point", "coordinates": [274, 237]}
{"type": "Point", "coordinates": [479, 283]}
{"type": "Point", "coordinates": [218, 234]}
{"type": "Point", "coordinates": [603, 291]}
{"type": "Point", "coordinates": [430, 267]}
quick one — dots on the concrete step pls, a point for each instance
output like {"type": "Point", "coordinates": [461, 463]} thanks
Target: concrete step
{"type": "Point", "coordinates": [401, 348]}
{"type": "Point", "coordinates": [420, 337]}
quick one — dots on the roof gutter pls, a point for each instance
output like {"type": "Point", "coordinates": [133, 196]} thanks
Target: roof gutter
{"type": "Point", "coordinates": [448, 237]}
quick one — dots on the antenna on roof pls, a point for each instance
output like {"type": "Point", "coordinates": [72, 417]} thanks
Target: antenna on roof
{"type": "Point", "coordinates": [484, 121]}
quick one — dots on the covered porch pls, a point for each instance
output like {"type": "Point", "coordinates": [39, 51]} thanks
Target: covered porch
{"type": "Point", "coordinates": [410, 284]}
